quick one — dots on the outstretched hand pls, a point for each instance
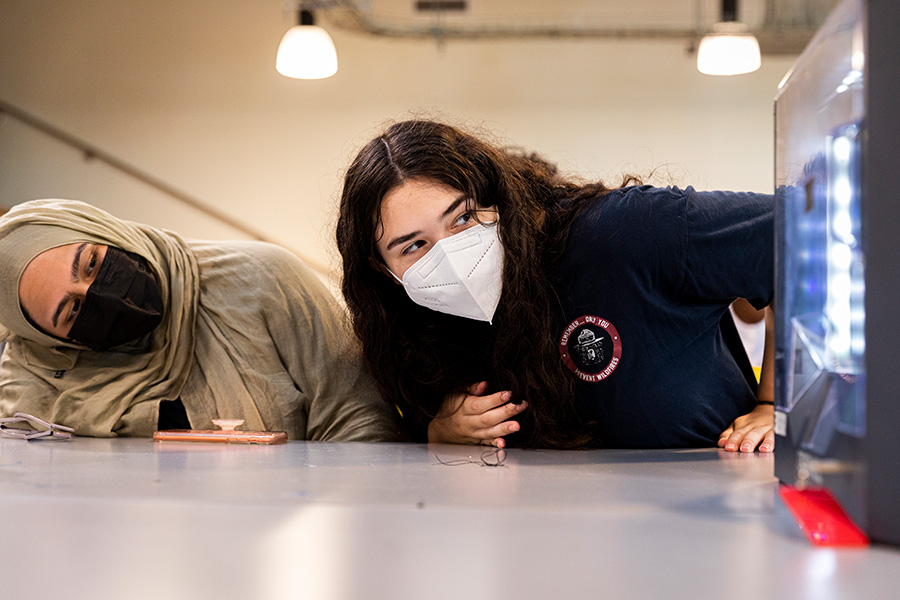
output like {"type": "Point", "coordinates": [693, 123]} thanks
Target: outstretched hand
{"type": "Point", "coordinates": [751, 431]}
{"type": "Point", "coordinates": [473, 418]}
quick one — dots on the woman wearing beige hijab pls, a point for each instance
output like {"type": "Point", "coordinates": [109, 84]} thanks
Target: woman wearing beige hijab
{"type": "Point", "coordinates": [115, 328]}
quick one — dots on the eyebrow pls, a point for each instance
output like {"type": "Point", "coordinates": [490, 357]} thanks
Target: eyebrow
{"type": "Point", "coordinates": [453, 206]}
{"type": "Point", "coordinates": [405, 238]}
{"type": "Point", "coordinates": [59, 308]}
{"type": "Point", "coordinates": [75, 264]}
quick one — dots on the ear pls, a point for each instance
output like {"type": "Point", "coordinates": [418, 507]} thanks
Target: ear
{"type": "Point", "coordinates": [381, 268]}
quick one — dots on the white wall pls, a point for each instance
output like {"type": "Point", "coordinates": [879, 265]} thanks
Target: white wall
{"type": "Point", "coordinates": [187, 91]}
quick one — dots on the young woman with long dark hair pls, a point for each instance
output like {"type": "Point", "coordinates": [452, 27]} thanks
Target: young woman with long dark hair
{"type": "Point", "coordinates": [495, 298]}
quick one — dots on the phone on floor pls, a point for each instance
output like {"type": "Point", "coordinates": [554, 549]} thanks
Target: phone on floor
{"type": "Point", "coordinates": [221, 436]}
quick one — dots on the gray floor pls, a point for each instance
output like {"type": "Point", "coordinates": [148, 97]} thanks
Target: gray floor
{"type": "Point", "coordinates": [134, 519]}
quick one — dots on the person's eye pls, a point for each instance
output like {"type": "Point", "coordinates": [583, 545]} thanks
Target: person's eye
{"type": "Point", "coordinates": [92, 264]}
{"type": "Point", "coordinates": [76, 306]}
{"type": "Point", "coordinates": [462, 219]}
{"type": "Point", "coordinates": [412, 248]}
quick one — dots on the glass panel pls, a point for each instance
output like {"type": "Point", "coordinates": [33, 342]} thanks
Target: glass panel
{"type": "Point", "coordinates": [820, 341]}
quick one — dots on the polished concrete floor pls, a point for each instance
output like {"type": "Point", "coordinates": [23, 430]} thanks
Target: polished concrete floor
{"type": "Point", "coordinates": [133, 519]}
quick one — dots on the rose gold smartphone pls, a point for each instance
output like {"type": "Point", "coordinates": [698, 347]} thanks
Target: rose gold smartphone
{"type": "Point", "coordinates": [221, 436]}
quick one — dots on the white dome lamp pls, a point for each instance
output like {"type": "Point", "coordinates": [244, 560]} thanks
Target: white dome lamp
{"type": "Point", "coordinates": [730, 49]}
{"type": "Point", "coordinates": [306, 51]}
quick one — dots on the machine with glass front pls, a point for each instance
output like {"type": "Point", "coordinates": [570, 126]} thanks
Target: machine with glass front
{"type": "Point", "coordinates": [831, 223]}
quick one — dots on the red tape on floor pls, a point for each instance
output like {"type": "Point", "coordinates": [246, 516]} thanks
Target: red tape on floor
{"type": "Point", "coordinates": [821, 517]}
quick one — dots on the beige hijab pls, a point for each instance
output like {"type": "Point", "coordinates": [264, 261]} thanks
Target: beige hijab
{"type": "Point", "coordinates": [247, 332]}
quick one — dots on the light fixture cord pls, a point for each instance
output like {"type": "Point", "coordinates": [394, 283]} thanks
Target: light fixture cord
{"type": "Point", "coordinates": [729, 10]}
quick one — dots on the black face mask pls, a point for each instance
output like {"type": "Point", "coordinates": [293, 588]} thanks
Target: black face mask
{"type": "Point", "coordinates": [123, 303]}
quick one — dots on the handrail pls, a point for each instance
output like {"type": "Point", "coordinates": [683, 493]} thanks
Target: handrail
{"type": "Point", "coordinates": [92, 152]}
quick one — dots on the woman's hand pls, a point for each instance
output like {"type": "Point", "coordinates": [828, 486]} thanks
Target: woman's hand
{"type": "Point", "coordinates": [752, 431]}
{"type": "Point", "coordinates": [473, 418]}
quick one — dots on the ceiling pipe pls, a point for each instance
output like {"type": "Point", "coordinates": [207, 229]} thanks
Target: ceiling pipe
{"type": "Point", "coordinates": [349, 15]}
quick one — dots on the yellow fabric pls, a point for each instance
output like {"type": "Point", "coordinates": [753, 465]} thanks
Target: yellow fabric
{"type": "Point", "coordinates": [248, 332]}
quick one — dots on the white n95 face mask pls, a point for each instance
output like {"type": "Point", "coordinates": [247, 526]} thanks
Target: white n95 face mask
{"type": "Point", "coordinates": [461, 275]}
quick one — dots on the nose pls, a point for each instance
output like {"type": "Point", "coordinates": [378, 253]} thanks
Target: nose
{"type": "Point", "coordinates": [80, 288]}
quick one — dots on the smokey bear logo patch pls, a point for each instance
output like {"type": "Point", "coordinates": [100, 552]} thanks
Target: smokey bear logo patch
{"type": "Point", "coordinates": [591, 348]}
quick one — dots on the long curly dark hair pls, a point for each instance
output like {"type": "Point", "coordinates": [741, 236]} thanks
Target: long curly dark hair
{"type": "Point", "coordinates": [418, 356]}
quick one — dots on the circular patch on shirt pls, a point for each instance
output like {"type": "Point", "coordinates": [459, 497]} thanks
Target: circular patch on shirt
{"type": "Point", "coordinates": [591, 348]}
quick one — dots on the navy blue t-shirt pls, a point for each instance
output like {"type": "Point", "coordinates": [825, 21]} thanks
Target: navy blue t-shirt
{"type": "Point", "coordinates": [647, 275]}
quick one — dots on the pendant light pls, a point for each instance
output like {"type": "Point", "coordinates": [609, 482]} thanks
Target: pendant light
{"type": "Point", "coordinates": [730, 49]}
{"type": "Point", "coordinates": [306, 51]}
